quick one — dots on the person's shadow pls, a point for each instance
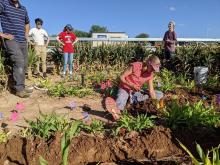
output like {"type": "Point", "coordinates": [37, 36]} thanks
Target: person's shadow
{"type": "Point", "coordinates": [100, 114]}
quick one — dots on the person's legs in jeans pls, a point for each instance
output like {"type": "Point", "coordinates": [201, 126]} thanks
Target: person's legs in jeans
{"type": "Point", "coordinates": [122, 98]}
{"type": "Point", "coordinates": [65, 61]}
{"type": "Point", "coordinates": [71, 65]}
{"type": "Point", "coordinates": [24, 49]}
{"type": "Point", "coordinates": [18, 59]}
{"type": "Point", "coordinates": [139, 97]}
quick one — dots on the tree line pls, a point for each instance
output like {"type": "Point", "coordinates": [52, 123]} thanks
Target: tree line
{"type": "Point", "coordinates": [99, 29]}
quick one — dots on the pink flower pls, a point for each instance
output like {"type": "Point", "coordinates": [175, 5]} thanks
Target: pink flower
{"type": "Point", "coordinates": [14, 116]}
{"type": "Point", "coordinates": [20, 106]}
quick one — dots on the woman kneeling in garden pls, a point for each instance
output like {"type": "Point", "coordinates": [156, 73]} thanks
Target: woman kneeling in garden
{"type": "Point", "coordinates": [131, 81]}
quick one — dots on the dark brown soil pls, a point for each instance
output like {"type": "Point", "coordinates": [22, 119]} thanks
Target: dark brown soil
{"type": "Point", "coordinates": [182, 96]}
{"type": "Point", "coordinates": [153, 145]}
{"type": "Point", "coordinates": [209, 97]}
{"type": "Point", "coordinates": [158, 143]}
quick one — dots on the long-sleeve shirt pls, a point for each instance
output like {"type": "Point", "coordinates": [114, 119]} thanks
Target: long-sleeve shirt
{"type": "Point", "coordinates": [170, 39]}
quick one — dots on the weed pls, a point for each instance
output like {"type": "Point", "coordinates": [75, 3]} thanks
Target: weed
{"type": "Point", "coordinates": [4, 136]}
{"type": "Point", "coordinates": [73, 130]}
{"type": "Point", "coordinates": [204, 158]}
{"type": "Point", "coordinates": [96, 126]}
{"type": "Point", "coordinates": [190, 115]}
{"type": "Point", "coordinates": [46, 125]}
{"type": "Point", "coordinates": [60, 90]}
{"type": "Point", "coordinates": [131, 123]}
{"type": "Point", "coordinates": [42, 161]}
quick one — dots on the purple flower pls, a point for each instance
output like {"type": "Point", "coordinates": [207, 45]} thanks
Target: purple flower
{"type": "Point", "coordinates": [85, 116]}
{"type": "Point", "coordinates": [1, 115]}
{"type": "Point", "coordinates": [218, 98]}
{"type": "Point", "coordinates": [73, 105]}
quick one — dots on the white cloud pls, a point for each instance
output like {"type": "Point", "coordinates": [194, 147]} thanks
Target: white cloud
{"type": "Point", "coordinates": [172, 8]}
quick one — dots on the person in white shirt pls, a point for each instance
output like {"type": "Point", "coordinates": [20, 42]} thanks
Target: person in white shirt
{"type": "Point", "coordinates": [40, 42]}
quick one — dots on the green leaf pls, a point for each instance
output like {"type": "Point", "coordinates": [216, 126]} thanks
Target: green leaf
{"type": "Point", "coordinates": [200, 152]}
{"type": "Point", "coordinates": [194, 160]}
{"type": "Point", "coordinates": [42, 161]}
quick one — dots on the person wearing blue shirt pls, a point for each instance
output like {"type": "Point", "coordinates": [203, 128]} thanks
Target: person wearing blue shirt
{"type": "Point", "coordinates": [15, 25]}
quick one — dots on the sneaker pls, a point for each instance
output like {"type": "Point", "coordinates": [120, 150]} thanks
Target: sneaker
{"type": "Point", "coordinates": [63, 76]}
{"type": "Point", "coordinates": [44, 75]}
{"type": "Point", "coordinates": [29, 89]}
{"type": "Point", "coordinates": [22, 94]}
{"type": "Point", "coordinates": [111, 107]}
{"type": "Point", "coordinates": [71, 77]}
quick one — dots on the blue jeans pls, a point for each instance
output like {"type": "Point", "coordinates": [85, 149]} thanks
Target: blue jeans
{"type": "Point", "coordinates": [123, 96]}
{"type": "Point", "coordinates": [68, 59]}
{"type": "Point", "coordinates": [19, 56]}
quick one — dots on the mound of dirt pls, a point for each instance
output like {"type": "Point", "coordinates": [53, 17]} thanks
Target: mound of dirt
{"type": "Point", "coordinates": [156, 144]}
{"type": "Point", "coordinates": [182, 96]}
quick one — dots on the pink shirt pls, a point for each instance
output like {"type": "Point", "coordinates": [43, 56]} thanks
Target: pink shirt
{"type": "Point", "coordinates": [137, 77]}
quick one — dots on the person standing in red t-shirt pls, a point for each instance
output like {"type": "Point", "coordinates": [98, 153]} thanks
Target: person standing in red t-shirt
{"type": "Point", "coordinates": [67, 39]}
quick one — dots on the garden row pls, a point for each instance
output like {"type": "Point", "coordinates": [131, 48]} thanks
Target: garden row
{"type": "Point", "coordinates": [53, 137]}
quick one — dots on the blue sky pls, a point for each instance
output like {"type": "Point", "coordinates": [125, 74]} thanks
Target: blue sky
{"type": "Point", "coordinates": [194, 18]}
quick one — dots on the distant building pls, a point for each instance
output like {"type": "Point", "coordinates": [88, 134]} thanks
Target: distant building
{"type": "Point", "coordinates": [108, 35]}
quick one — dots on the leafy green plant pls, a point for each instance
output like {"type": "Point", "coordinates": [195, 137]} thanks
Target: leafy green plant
{"type": "Point", "coordinates": [57, 90]}
{"type": "Point", "coordinates": [3, 74]}
{"type": "Point", "coordinates": [47, 124]}
{"type": "Point", "coordinates": [190, 116]}
{"type": "Point", "coordinates": [32, 60]}
{"type": "Point", "coordinates": [96, 126]}
{"type": "Point", "coordinates": [168, 80]}
{"type": "Point", "coordinates": [60, 90]}
{"type": "Point", "coordinates": [25, 133]}
{"type": "Point", "coordinates": [4, 136]}
{"type": "Point", "coordinates": [131, 123]}
{"type": "Point", "coordinates": [183, 81]}
{"type": "Point", "coordinates": [42, 161]}
{"type": "Point", "coordinates": [213, 81]}
{"type": "Point", "coordinates": [2, 67]}
{"type": "Point", "coordinates": [73, 130]}
{"type": "Point", "coordinates": [79, 91]}
{"type": "Point", "coordinates": [204, 158]}
{"type": "Point", "coordinates": [57, 58]}
{"type": "Point", "coordinates": [43, 83]}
